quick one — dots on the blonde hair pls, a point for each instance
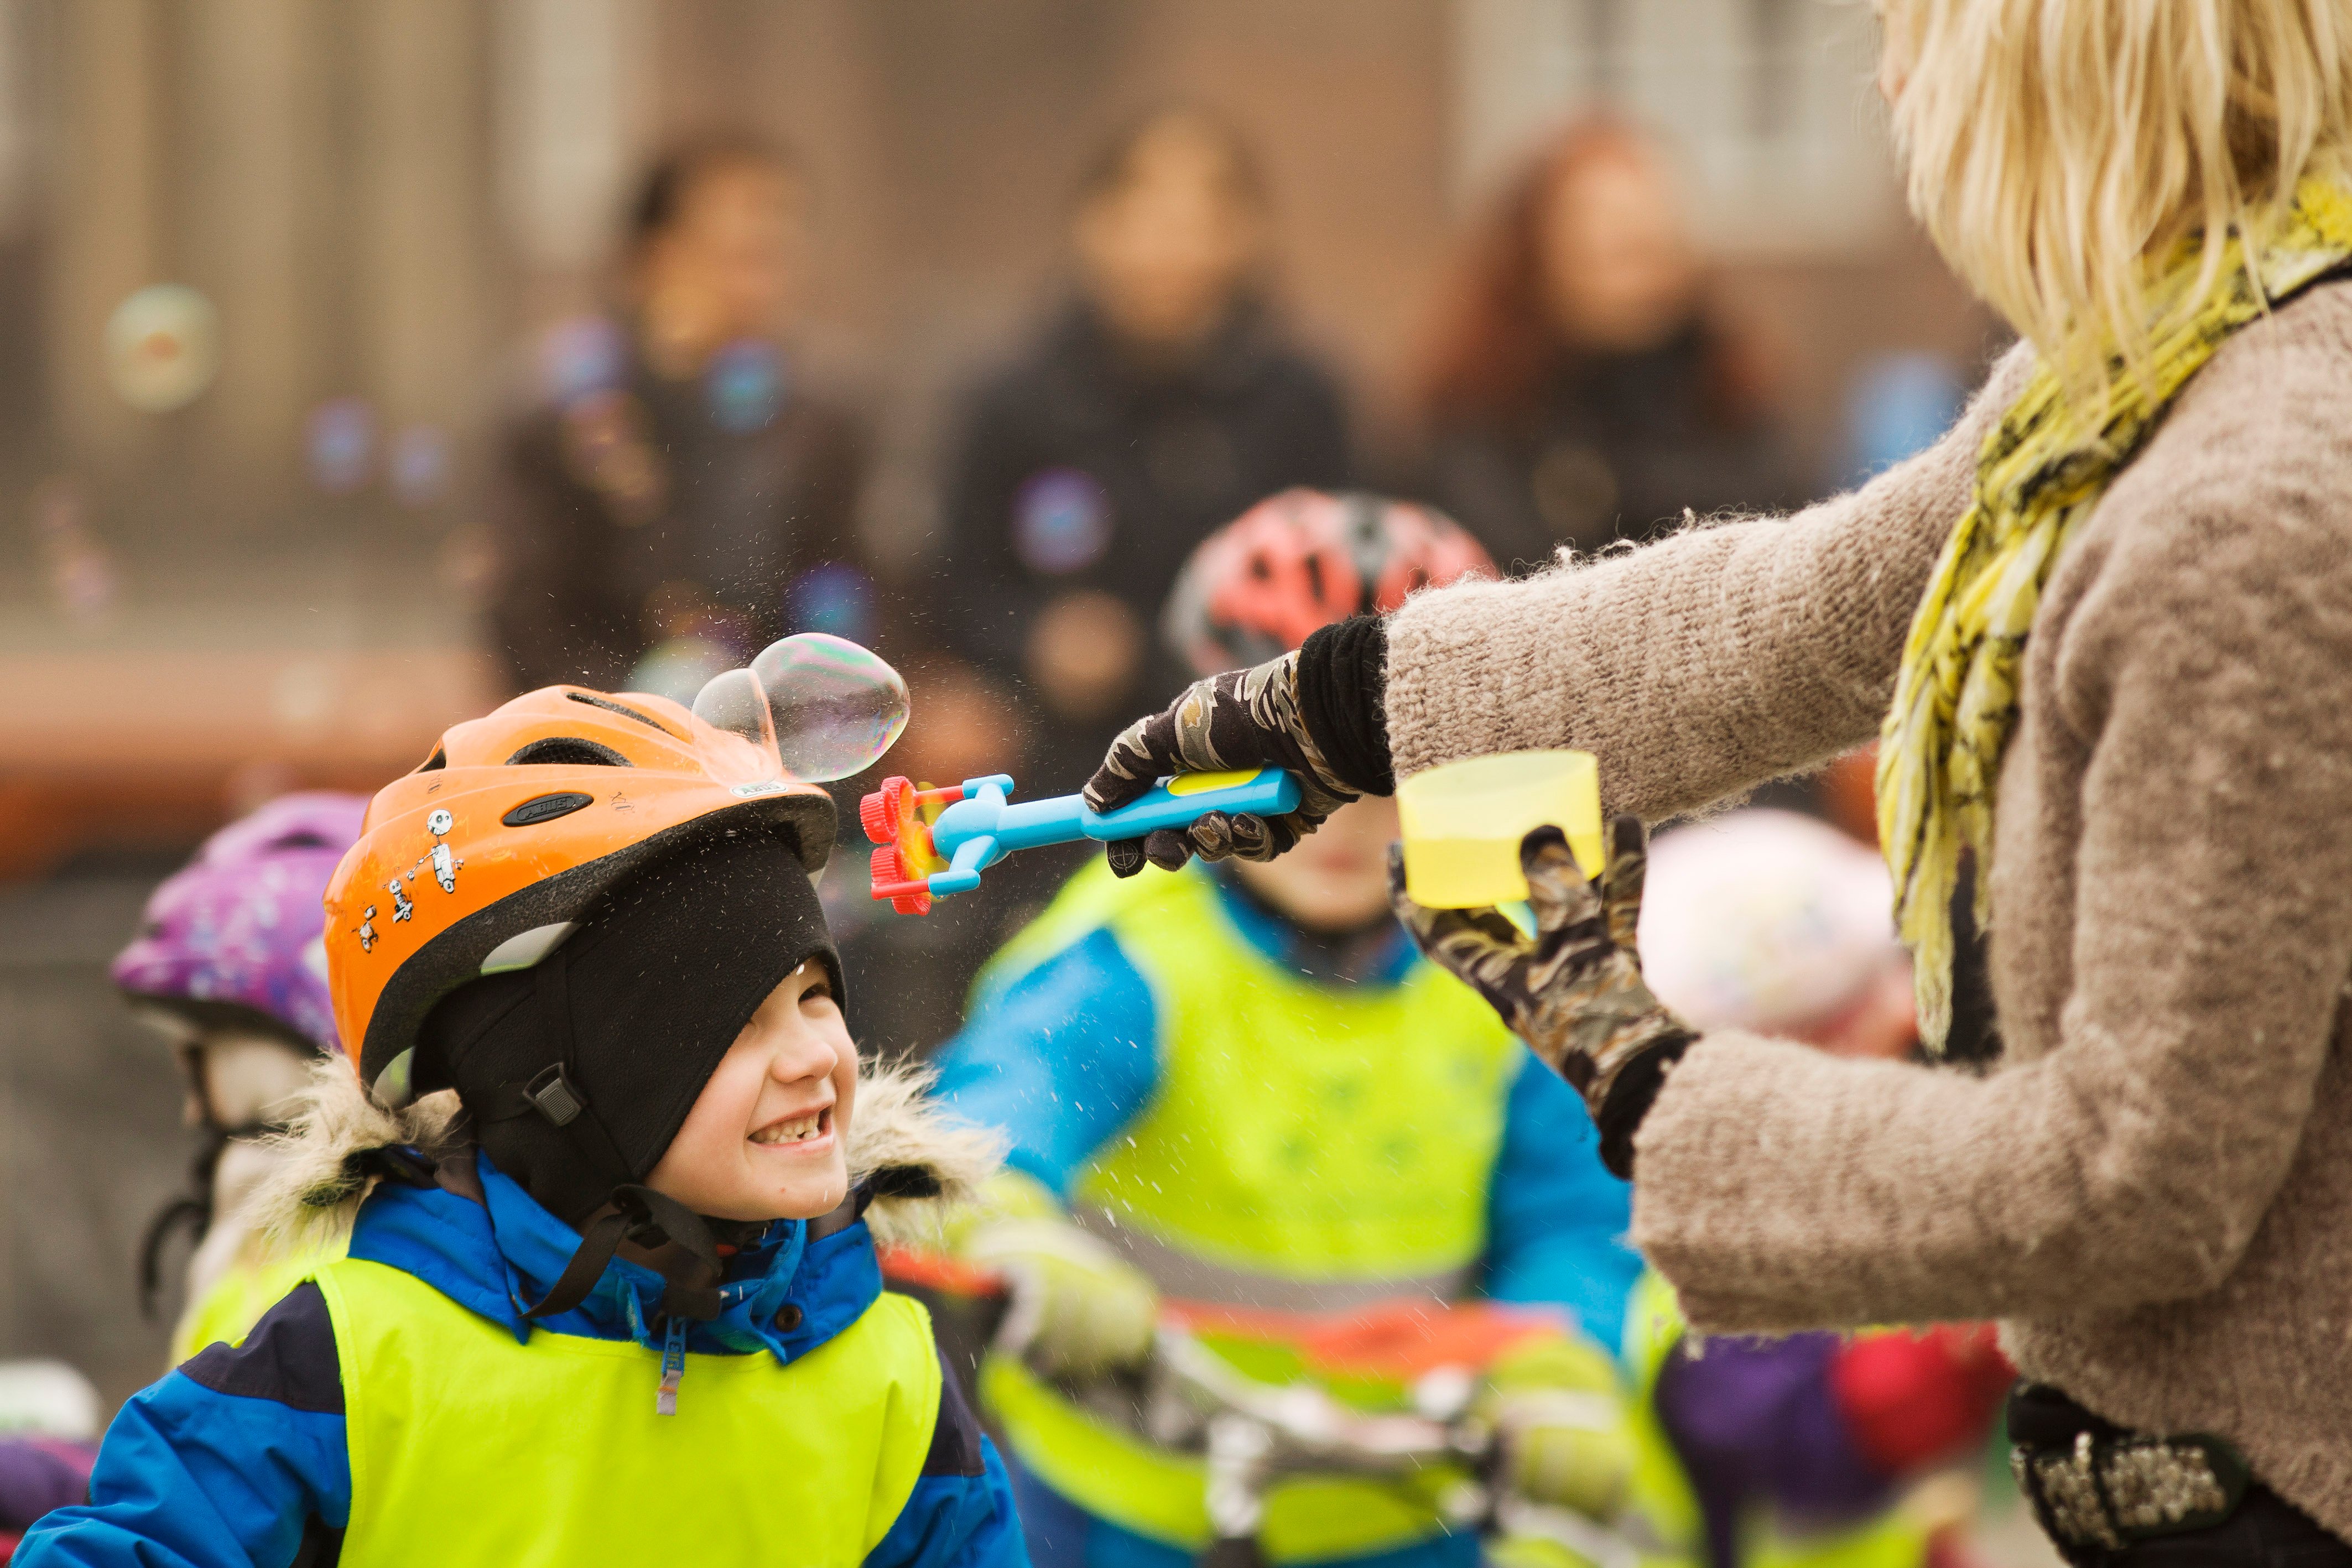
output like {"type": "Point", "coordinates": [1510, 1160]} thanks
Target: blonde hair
{"type": "Point", "coordinates": [2051, 145]}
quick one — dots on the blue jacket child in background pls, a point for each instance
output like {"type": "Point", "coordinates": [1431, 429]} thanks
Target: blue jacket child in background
{"type": "Point", "coordinates": [1240, 1085]}
{"type": "Point", "coordinates": [611, 1293]}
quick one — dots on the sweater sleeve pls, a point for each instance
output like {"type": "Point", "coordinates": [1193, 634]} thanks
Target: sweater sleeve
{"type": "Point", "coordinates": [239, 1457]}
{"type": "Point", "coordinates": [1700, 665]}
{"type": "Point", "coordinates": [2131, 1154]}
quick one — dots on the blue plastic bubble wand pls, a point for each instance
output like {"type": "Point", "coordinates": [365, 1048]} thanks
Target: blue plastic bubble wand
{"type": "Point", "coordinates": [918, 860]}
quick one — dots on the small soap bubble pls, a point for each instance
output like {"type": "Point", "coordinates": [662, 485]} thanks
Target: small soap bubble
{"type": "Point", "coordinates": [581, 357]}
{"type": "Point", "coordinates": [419, 465]}
{"type": "Point", "coordinates": [837, 706]}
{"type": "Point", "coordinates": [745, 385]}
{"type": "Point", "coordinates": [339, 436]}
{"type": "Point", "coordinates": [162, 347]}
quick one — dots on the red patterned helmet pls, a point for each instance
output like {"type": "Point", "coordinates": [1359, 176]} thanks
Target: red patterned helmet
{"type": "Point", "coordinates": [1302, 559]}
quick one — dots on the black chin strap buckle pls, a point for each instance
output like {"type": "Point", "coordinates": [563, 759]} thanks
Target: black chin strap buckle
{"type": "Point", "coordinates": [649, 1218]}
{"type": "Point", "coordinates": [555, 1096]}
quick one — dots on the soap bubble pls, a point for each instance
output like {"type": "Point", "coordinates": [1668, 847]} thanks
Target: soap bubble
{"type": "Point", "coordinates": [732, 700]}
{"type": "Point", "coordinates": [341, 438]}
{"type": "Point", "coordinates": [831, 708]}
{"type": "Point", "coordinates": [162, 347]}
{"type": "Point", "coordinates": [837, 708]}
{"type": "Point", "coordinates": [745, 385]}
{"type": "Point", "coordinates": [419, 465]}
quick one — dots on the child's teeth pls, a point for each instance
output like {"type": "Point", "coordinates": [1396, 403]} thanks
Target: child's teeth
{"type": "Point", "coordinates": [793, 1132]}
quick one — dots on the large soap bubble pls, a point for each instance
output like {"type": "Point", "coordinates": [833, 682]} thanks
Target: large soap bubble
{"type": "Point", "coordinates": [832, 708]}
{"type": "Point", "coordinates": [732, 700]}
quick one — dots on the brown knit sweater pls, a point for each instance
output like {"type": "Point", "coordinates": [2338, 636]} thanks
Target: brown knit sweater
{"type": "Point", "coordinates": [2155, 1189]}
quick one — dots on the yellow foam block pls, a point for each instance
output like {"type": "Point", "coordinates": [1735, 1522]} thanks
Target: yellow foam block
{"type": "Point", "coordinates": [1463, 823]}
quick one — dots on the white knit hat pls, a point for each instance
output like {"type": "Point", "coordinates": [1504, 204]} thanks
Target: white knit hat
{"type": "Point", "coordinates": [1764, 920]}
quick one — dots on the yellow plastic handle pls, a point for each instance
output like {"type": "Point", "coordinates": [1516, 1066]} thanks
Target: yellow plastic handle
{"type": "Point", "coordinates": [1203, 783]}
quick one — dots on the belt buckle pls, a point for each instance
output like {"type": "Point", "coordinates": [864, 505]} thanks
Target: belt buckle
{"type": "Point", "coordinates": [2106, 1493]}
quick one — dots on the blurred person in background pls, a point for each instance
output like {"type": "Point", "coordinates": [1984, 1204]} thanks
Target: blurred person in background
{"type": "Point", "coordinates": [677, 499]}
{"type": "Point", "coordinates": [230, 966]}
{"type": "Point", "coordinates": [1584, 388]}
{"type": "Point", "coordinates": [1811, 1448]}
{"type": "Point", "coordinates": [49, 1444]}
{"type": "Point", "coordinates": [1242, 1086]}
{"type": "Point", "coordinates": [1158, 403]}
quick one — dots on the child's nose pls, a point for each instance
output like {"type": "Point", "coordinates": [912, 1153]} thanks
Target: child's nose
{"type": "Point", "coordinates": [807, 1054]}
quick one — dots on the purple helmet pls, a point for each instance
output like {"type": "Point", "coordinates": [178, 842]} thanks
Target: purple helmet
{"type": "Point", "coordinates": [233, 938]}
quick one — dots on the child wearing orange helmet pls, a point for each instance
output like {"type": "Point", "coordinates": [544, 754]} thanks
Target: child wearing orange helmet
{"type": "Point", "coordinates": [606, 1161]}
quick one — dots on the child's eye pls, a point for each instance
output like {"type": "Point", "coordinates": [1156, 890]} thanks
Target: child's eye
{"type": "Point", "coordinates": [822, 991]}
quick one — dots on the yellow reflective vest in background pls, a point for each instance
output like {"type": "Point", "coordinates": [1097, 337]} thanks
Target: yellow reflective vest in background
{"type": "Point", "coordinates": [1313, 1148]}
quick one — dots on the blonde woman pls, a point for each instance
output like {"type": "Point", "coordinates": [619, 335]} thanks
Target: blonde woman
{"type": "Point", "coordinates": [2104, 633]}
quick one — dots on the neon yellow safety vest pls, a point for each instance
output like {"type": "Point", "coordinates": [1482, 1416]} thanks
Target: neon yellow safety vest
{"type": "Point", "coordinates": [468, 1447]}
{"type": "Point", "coordinates": [1340, 1137]}
{"type": "Point", "coordinates": [1661, 1491]}
{"type": "Point", "coordinates": [250, 1287]}
{"type": "Point", "coordinates": [1306, 1147]}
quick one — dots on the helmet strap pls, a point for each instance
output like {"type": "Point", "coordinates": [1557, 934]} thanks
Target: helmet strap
{"type": "Point", "coordinates": [192, 1211]}
{"type": "Point", "coordinates": [554, 1092]}
{"type": "Point", "coordinates": [637, 1213]}
{"type": "Point", "coordinates": [649, 1218]}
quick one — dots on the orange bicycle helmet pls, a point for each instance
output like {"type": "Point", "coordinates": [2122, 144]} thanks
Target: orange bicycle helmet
{"type": "Point", "coordinates": [486, 857]}
{"type": "Point", "coordinates": [1300, 561]}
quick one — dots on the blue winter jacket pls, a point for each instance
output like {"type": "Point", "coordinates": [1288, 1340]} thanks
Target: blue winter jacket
{"type": "Point", "coordinates": [239, 1457]}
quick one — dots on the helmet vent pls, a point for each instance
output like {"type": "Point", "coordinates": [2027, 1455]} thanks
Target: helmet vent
{"type": "Point", "coordinates": [609, 705]}
{"type": "Point", "coordinates": [440, 758]}
{"type": "Point", "coordinates": [567, 751]}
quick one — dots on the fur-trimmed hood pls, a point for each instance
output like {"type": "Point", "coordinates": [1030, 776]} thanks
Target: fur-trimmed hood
{"type": "Point", "coordinates": [916, 1161]}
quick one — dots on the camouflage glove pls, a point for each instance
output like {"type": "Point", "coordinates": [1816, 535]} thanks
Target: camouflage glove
{"type": "Point", "coordinates": [1574, 992]}
{"type": "Point", "coordinates": [1560, 1428]}
{"type": "Point", "coordinates": [1242, 718]}
{"type": "Point", "coordinates": [1078, 1309]}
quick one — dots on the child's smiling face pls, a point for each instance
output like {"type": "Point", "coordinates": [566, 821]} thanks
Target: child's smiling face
{"type": "Point", "coordinates": [765, 1139]}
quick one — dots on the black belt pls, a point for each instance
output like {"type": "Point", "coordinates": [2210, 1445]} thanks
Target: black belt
{"type": "Point", "coordinates": [2096, 1486]}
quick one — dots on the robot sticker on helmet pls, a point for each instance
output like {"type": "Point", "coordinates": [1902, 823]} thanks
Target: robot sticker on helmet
{"type": "Point", "coordinates": [444, 863]}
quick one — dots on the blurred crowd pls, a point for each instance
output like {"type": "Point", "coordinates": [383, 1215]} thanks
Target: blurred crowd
{"type": "Point", "coordinates": [679, 495]}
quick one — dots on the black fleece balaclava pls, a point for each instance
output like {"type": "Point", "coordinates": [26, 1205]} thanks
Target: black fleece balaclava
{"type": "Point", "coordinates": [579, 1071]}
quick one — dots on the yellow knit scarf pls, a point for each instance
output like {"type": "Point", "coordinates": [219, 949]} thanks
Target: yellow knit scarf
{"type": "Point", "coordinates": [2040, 473]}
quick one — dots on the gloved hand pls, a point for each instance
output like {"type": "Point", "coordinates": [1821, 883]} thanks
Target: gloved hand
{"type": "Point", "coordinates": [1574, 992]}
{"type": "Point", "coordinates": [1560, 1420]}
{"type": "Point", "coordinates": [1242, 718]}
{"type": "Point", "coordinates": [1078, 1310]}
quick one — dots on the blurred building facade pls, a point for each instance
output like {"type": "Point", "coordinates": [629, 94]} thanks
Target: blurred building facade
{"type": "Point", "coordinates": [383, 198]}
{"type": "Point", "coordinates": [386, 201]}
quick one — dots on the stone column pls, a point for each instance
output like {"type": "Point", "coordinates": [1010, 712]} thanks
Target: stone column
{"type": "Point", "coordinates": [256, 74]}
{"type": "Point", "coordinates": [429, 329]}
{"type": "Point", "coordinates": [574, 105]}
{"type": "Point", "coordinates": [104, 218]}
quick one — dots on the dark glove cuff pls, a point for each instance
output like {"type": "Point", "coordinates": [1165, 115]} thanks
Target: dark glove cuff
{"type": "Point", "coordinates": [1342, 693]}
{"type": "Point", "coordinates": [1630, 1098]}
